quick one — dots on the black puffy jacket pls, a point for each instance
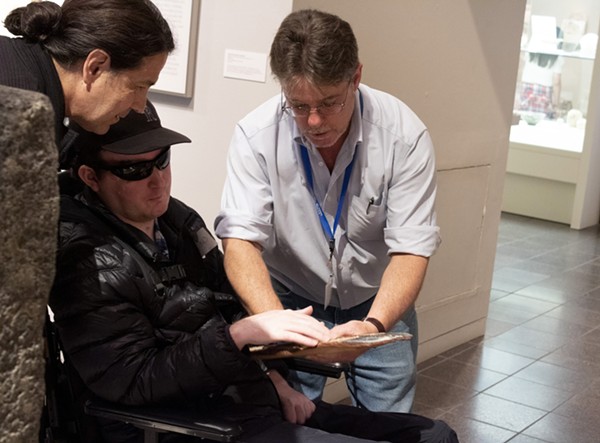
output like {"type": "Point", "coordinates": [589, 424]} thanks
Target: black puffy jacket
{"type": "Point", "coordinates": [135, 341]}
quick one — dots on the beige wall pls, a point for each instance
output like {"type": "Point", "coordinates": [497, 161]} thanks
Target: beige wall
{"type": "Point", "coordinates": [454, 63]}
{"type": "Point", "coordinates": [218, 102]}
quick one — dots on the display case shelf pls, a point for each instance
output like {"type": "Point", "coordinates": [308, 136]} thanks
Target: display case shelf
{"type": "Point", "coordinates": [550, 134]}
{"type": "Point", "coordinates": [567, 54]}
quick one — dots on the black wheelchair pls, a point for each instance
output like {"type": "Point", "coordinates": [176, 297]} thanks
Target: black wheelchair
{"type": "Point", "coordinates": [65, 421]}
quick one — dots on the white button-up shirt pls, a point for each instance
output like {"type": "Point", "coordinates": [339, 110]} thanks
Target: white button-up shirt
{"type": "Point", "coordinates": [389, 205]}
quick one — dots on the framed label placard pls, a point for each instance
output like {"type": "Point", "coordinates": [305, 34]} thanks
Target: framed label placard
{"type": "Point", "coordinates": [177, 77]}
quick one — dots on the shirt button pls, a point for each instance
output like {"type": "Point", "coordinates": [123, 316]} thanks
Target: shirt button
{"type": "Point", "coordinates": [340, 267]}
{"type": "Point", "coordinates": [321, 163]}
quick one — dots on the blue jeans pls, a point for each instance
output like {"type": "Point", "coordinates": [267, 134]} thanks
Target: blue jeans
{"type": "Point", "coordinates": [383, 378]}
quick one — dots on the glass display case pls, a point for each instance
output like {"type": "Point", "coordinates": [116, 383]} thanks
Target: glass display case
{"type": "Point", "coordinates": [548, 165]}
{"type": "Point", "coordinates": [555, 77]}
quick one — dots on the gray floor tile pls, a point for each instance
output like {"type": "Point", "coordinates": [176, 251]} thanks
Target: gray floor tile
{"type": "Point", "coordinates": [520, 438]}
{"type": "Point", "coordinates": [499, 412]}
{"type": "Point", "coordinates": [519, 275]}
{"type": "Point", "coordinates": [526, 304]}
{"type": "Point", "coordinates": [565, 259]}
{"type": "Point", "coordinates": [583, 406]}
{"type": "Point", "coordinates": [554, 375]}
{"type": "Point", "coordinates": [528, 393]}
{"type": "Point", "coordinates": [522, 250]}
{"type": "Point", "coordinates": [559, 429]}
{"type": "Point", "coordinates": [473, 431]}
{"type": "Point", "coordinates": [545, 341]}
{"type": "Point", "coordinates": [553, 325]}
{"type": "Point", "coordinates": [555, 295]}
{"type": "Point", "coordinates": [495, 327]}
{"type": "Point", "coordinates": [438, 394]}
{"type": "Point", "coordinates": [582, 351]}
{"type": "Point", "coordinates": [572, 284]}
{"type": "Point", "coordinates": [570, 360]}
{"type": "Point", "coordinates": [464, 375]}
{"type": "Point", "coordinates": [427, 410]}
{"type": "Point", "coordinates": [591, 279]}
{"type": "Point", "coordinates": [586, 302]}
{"type": "Point", "coordinates": [430, 362]}
{"type": "Point", "coordinates": [524, 350]}
{"type": "Point", "coordinates": [496, 294]}
{"type": "Point", "coordinates": [592, 336]}
{"type": "Point", "coordinates": [590, 248]}
{"type": "Point", "coordinates": [594, 293]}
{"type": "Point", "coordinates": [458, 349]}
{"type": "Point", "coordinates": [494, 360]}
{"type": "Point", "coordinates": [591, 267]}
{"type": "Point", "coordinates": [535, 375]}
{"type": "Point", "coordinates": [508, 314]}
{"type": "Point", "coordinates": [508, 284]}
{"type": "Point", "coordinates": [537, 267]}
{"type": "Point", "coordinates": [574, 314]}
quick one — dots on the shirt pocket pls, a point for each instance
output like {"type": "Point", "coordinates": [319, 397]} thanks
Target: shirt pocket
{"type": "Point", "coordinates": [366, 218]}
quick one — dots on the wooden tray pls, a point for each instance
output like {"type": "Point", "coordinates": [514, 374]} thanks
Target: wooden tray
{"type": "Point", "coordinates": [351, 346]}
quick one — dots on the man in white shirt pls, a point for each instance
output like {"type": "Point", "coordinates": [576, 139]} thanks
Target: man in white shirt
{"type": "Point", "coordinates": [329, 202]}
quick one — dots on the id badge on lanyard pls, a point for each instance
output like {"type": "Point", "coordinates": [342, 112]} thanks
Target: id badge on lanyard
{"type": "Point", "coordinates": [327, 230]}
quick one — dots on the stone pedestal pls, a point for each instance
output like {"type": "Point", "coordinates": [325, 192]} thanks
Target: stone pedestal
{"type": "Point", "coordinates": [28, 233]}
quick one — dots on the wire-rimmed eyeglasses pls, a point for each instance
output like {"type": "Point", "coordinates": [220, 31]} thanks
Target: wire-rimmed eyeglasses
{"type": "Point", "coordinates": [324, 109]}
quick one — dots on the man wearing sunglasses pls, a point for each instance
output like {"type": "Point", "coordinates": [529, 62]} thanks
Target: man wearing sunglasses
{"type": "Point", "coordinates": [146, 315]}
{"type": "Point", "coordinates": [329, 202]}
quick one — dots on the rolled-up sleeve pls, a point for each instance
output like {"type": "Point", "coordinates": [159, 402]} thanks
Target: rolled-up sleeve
{"type": "Point", "coordinates": [411, 225]}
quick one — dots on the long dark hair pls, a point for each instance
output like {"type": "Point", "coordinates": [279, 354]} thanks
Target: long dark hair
{"type": "Point", "coordinates": [127, 30]}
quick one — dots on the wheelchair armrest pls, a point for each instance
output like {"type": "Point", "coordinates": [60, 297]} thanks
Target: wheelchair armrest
{"type": "Point", "coordinates": [159, 419]}
{"type": "Point", "coordinates": [333, 370]}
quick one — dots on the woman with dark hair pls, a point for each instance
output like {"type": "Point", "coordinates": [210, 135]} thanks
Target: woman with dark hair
{"type": "Point", "coordinates": [94, 59]}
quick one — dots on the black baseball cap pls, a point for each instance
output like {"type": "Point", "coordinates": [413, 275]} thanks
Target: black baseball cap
{"type": "Point", "coordinates": [134, 134]}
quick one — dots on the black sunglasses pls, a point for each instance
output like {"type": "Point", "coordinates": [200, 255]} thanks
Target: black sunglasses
{"type": "Point", "coordinates": [140, 170]}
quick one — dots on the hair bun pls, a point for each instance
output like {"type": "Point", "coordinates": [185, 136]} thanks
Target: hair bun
{"type": "Point", "coordinates": [35, 22]}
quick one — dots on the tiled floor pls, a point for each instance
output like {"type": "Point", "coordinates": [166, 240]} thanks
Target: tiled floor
{"type": "Point", "coordinates": [535, 375]}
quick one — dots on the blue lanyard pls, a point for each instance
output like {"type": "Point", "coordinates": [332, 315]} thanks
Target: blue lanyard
{"type": "Point", "coordinates": [309, 177]}
{"type": "Point", "coordinates": [330, 233]}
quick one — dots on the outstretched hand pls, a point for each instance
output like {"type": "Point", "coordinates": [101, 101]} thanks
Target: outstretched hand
{"type": "Point", "coordinates": [280, 325]}
{"type": "Point", "coordinates": [351, 328]}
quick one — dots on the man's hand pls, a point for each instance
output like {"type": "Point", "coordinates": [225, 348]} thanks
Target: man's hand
{"type": "Point", "coordinates": [353, 327]}
{"type": "Point", "coordinates": [280, 325]}
{"type": "Point", "coordinates": [297, 408]}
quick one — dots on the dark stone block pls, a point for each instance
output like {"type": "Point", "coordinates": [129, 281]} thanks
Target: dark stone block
{"type": "Point", "coordinates": [28, 233]}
